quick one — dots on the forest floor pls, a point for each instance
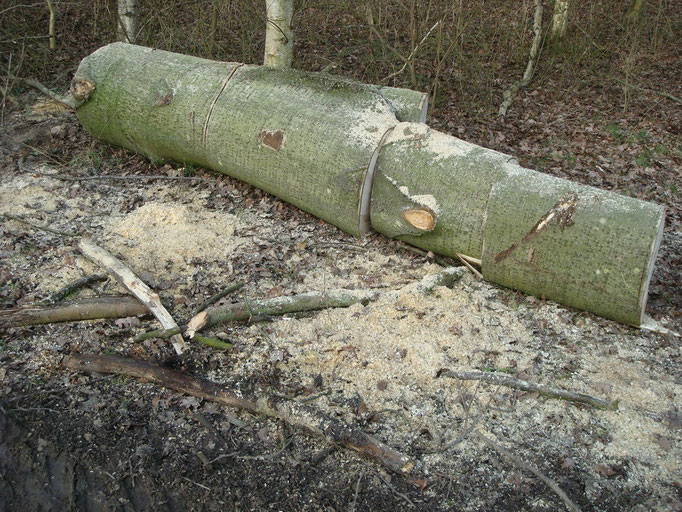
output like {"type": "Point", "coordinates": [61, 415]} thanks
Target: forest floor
{"type": "Point", "coordinates": [92, 442]}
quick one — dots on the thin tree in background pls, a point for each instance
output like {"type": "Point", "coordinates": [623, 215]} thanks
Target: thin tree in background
{"type": "Point", "coordinates": [127, 20]}
{"type": "Point", "coordinates": [560, 19]}
{"type": "Point", "coordinates": [279, 36]}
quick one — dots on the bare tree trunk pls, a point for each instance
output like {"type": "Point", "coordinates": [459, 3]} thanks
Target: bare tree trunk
{"type": "Point", "coordinates": [633, 11]}
{"type": "Point", "coordinates": [560, 19]}
{"type": "Point", "coordinates": [127, 20]}
{"type": "Point", "coordinates": [279, 36]}
{"type": "Point", "coordinates": [53, 37]}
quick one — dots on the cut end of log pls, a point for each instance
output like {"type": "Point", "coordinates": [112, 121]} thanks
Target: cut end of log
{"type": "Point", "coordinates": [423, 219]}
{"type": "Point", "coordinates": [196, 324]}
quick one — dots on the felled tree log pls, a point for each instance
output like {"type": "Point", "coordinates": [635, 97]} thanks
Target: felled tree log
{"type": "Point", "coordinates": [352, 155]}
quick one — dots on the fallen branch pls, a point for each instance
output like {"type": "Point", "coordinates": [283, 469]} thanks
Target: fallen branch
{"type": "Point", "coordinates": [137, 287]}
{"type": "Point", "coordinates": [510, 382]}
{"type": "Point", "coordinates": [72, 287]}
{"type": "Point", "coordinates": [38, 226]}
{"type": "Point", "coordinates": [85, 309]}
{"type": "Point", "coordinates": [215, 298]}
{"type": "Point", "coordinates": [277, 306]}
{"type": "Point", "coordinates": [532, 62]}
{"type": "Point", "coordinates": [524, 465]}
{"type": "Point", "coordinates": [290, 411]}
{"type": "Point", "coordinates": [66, 100]}
{"type": "Point", "coordinates": [131, 177]}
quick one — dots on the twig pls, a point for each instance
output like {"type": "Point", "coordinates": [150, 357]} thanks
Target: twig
{"type": "Point", "coordinates": [213, 342]}
{"type": "Point", "coordinates": [121, 178]}
{"type": "Point", "coordinates": [277, 306]}
{"type": "Point", "coordinates": [355, 496]}
{"type": "Point", "coordinates": [37, 226]}
{"type": "Point", "coordinates": [215, 298]}
{"type": "Point", "coordinates": [532, 62]}
{"type": "Point", "coordinates": [67, 290]}
{"type": "Point", "coordinates": [464, 259]}
{"type": "Point", "coordinates": [85, 309]}
{"type": "Point", "coordinates": [290, 411]}
{"type": "Point", "coordinates": [503, 380]}
{"type": "Point", "coordinates": [159, 333]}
{"type": "Point", "coordinates": [66, 100]}
{"type": "Point", "coordinates": [524, 465]}
{"type": "Point", "coordinates": [413, 52]}
{"type": "Point", "coordinates": [394, 491]}
{"type": "Point", "coordinates": [137, 287]}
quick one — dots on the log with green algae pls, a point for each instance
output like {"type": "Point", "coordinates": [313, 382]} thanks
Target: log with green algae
{"type": "Point", "coordinates": [344, 152]}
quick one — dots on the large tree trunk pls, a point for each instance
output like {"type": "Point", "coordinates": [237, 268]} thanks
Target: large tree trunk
{"type": "Point", "coordinates": [279, 35]}
{"type": "Point", "coordinates": [339, 150]}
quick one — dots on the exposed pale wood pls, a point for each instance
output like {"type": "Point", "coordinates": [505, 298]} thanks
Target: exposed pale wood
{"type": "Point", "coordinates": [137, 287]}
{"type": "Point", "coordinates": [290, 411]}
{"type": "Point", "coordinates": [76, 311]}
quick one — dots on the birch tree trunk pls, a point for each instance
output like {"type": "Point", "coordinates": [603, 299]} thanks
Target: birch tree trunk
{"type": "Point", "coordinates": [279, 35]}
{"type": "Point", "coordinates": [338, 150]}
{"type": "Point", "coordinates": [560, 19]}
{"type": "Point", "coordinates": [127, 20]}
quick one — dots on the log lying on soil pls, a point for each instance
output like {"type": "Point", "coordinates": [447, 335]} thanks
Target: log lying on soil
{"type": "Point", "coordinates": [349, 154]}
{"type": "Point", "coordinates": [277, 306]}
{"type": "Point", "coordinates": [291, 411]}
{"type": "Point", "coordinates": [84, 309]}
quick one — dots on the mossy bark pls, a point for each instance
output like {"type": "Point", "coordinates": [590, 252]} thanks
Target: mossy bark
{"type": "Point", "coordinates": [338, 149]}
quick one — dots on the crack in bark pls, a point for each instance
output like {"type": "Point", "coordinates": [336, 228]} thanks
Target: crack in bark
{"type": "Point", "coordinates": [562, 212]}
{"type": "Point", "coordinates": [204, 133]}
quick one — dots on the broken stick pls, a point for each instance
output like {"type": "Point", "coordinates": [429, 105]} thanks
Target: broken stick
{"type": "Point", "coordinates": [137, 287]}
{"type": "Point", "coordinates": [85, 309]}
{"type": "Point", "coordinates": [290, 411]}
{"type": "Point", "coordinates": [510, 382]}
{"type": "Point", "coordinates": [277, 306]}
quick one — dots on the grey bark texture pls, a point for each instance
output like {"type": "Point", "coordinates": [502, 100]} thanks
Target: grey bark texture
{"type": "Point", "coordinates": [319, 142]}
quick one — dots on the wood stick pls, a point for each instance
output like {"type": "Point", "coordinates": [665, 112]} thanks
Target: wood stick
{"type": "Point", "coordinates": [290, 411]}
{"type": "Point", "coordinates": [38, 226]}
{"type": "Point", "coordinates": [277, 306]}
{"type": "Point", "coordinates": [85, 309]}
{"type": "Point", "coordinates": [215, 298]}
{"type": "Point", "coordinates": [524, 465]}
{"type": "Point", "coordinates": [552, 392]}
{"type": "Point", "coordinates": [465, 260]}
{"type": "Point", "coordinates": [76, 285]}
{"type": "Point", "coordinates": [137, 287]}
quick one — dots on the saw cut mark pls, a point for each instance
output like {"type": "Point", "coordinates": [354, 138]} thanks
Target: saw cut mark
{"type": "Point", "coordinates": [273, 139]}
{"type": "Point", "coordinates": [365, 225]}
{"type": "Point", "coordinates": [421, 218]}
{"type": "Point", "coordinates": [204, 133]}
{"type": "Point", "coordinates": [562, 213]}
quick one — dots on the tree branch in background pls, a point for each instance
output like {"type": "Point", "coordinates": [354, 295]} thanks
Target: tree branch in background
{"type": "Point", "coordinates": [532, 62]}
{"type": "Point", "coordinates": [53, 37]}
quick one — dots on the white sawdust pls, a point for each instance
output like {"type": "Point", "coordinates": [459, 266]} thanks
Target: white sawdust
{"type": "Point", "coordinates": [366, 127]}
{"type": "Point", "coordinates": [162, 237]}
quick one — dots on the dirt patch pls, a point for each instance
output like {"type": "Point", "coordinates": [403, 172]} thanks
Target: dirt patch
{"type": "Point", "coordinates": [71, 441]}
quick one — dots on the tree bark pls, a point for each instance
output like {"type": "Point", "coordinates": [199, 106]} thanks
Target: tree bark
{"type": "Point", "coordinates": [127, 20]}
{"type": "Point", "coordinates": [84, 309]}
{"type": "Point", "coordinates": [560, 19]}
{"type": "Point", "coordinates": [338, 150]}
{"type": "Point", "coordinates": [279, 35]}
